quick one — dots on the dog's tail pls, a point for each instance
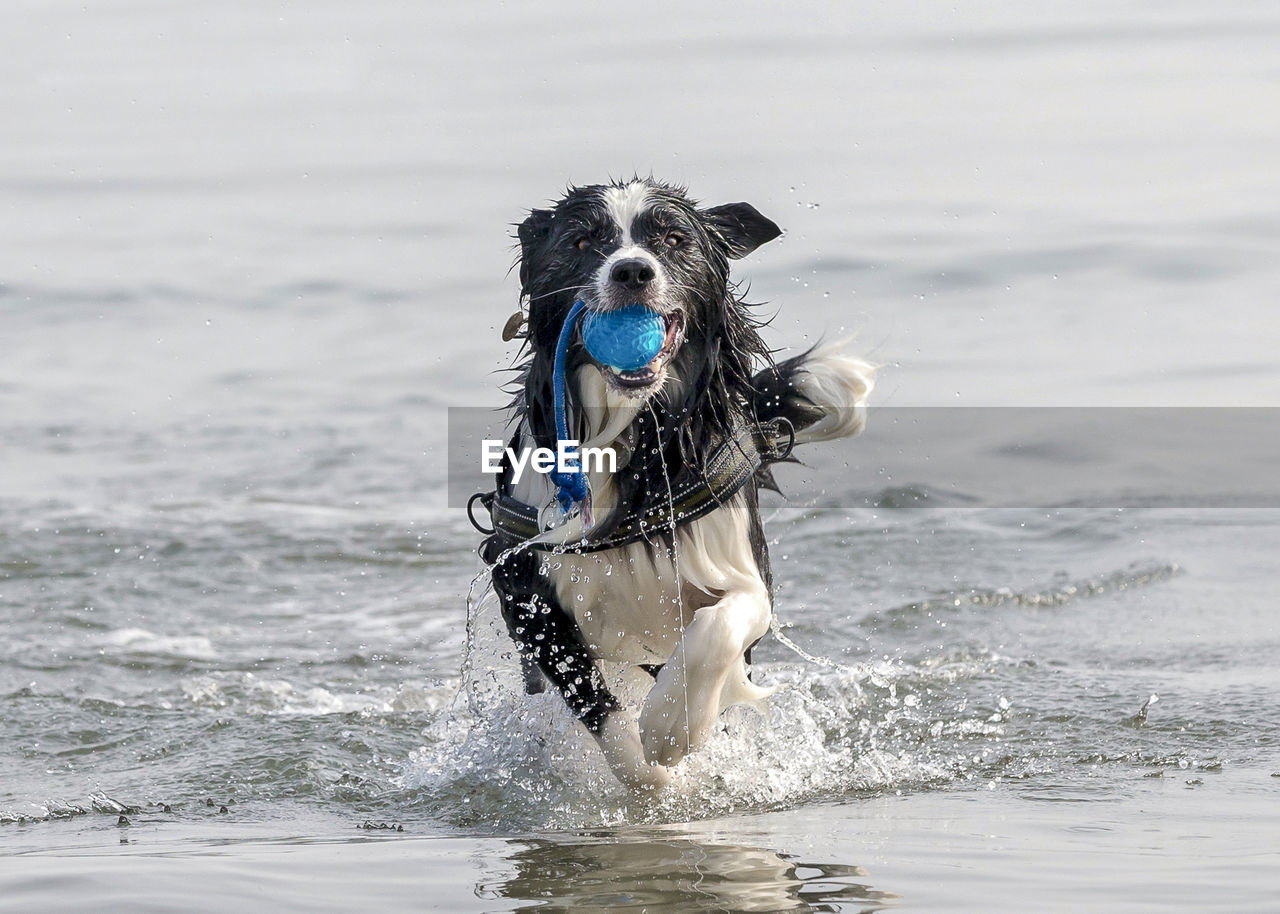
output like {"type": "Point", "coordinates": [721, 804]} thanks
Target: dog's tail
{"type": "Point", "coordinates": [822, 392]}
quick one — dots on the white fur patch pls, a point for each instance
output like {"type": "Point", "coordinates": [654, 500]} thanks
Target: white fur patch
{"type": "Point", "coordinates": [624, 204]}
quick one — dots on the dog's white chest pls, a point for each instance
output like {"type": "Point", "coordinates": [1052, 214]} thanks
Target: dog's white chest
{"type": "Point", "coordinates": [624, 601]}
{"type": "Point", "coordinates": [631, 605]}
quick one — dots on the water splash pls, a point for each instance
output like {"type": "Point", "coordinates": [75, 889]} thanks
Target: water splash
{"type": "Point", "coordinates": [509, 760]}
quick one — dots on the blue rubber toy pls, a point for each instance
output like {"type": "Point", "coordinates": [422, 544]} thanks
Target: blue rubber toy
{"type": "Point", "coordinates": [624, 338]}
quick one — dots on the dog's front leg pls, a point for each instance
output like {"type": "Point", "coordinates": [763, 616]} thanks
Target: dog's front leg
{"type": "Point", "coordinates": [547, 637]}
{"type": "Point", "coordinates": [706, 673]}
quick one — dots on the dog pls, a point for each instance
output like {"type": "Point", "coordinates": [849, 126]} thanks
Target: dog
{"type": "Point", "coordinates": [642, 611]}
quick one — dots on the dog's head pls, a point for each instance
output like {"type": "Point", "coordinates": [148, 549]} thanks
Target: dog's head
{"type": "Point", "coordinates": [642, 242]}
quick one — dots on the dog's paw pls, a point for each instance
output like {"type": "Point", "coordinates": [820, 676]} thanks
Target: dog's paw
{"type": "Point", "coordinates": [666, 731]}
{"type": "Point", "coordinates": [619, 741]}
{"type": "Point", "coordinates": [677, 719]}
{"type": "Point", "coordinates": [663, 731]}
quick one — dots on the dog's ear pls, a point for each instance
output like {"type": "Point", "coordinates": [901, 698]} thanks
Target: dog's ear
{"type": "Point", "coordinates": [532, 232]}
{"type": "Point", "coordinates": [742, 227]}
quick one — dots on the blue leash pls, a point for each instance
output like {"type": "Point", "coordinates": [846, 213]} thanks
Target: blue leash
{"type": "Point", "coordinates": [572, 484]}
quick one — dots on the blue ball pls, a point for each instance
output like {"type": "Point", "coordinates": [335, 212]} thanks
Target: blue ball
{"type": "Point", "coordinates": [625, 338]}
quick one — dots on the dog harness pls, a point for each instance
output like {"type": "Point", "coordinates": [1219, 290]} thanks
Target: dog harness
{"type": "Point", "coordinates": [695, 492]}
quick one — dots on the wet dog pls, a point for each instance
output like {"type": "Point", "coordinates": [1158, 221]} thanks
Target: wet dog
{"type": "Point", "coordinates": [642, 609]}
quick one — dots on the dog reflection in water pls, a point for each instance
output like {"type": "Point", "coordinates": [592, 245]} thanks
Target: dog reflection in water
{"type": "Point", "coordinates": [676, 874]}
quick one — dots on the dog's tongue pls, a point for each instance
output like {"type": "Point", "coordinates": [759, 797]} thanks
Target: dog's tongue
{"type": "Point", "coordinates": [672, 324]}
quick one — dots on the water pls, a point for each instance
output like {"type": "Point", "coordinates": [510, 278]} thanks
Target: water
{"type": "Point", "coordinates": [251, 252]}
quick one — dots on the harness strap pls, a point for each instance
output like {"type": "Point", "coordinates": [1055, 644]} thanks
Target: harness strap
{"type": "Point", "coordinates": [733, 462]}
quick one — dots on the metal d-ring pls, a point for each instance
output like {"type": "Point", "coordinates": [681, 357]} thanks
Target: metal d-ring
{"type": "Point", "coordinates": [471, 517]}
{"type": "Point", "coordinates": [780, 424]}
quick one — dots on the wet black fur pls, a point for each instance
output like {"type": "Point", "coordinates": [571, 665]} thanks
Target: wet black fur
{"type": "Point", "coordinates": [726, 367]}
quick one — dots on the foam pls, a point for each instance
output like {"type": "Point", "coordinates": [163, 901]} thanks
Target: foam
{"type": "Point", "coordinates": [144, 642]}
{"type": "Point", "coordinates": [248, 693]}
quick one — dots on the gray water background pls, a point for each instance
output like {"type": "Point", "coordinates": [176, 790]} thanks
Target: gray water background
{"type": "Point", "coordinates": [249, 253]}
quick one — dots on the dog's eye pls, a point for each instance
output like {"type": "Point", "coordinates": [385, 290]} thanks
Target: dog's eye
{"type": "Point", "coordinates": [582, 244]}
{"type": "Point", "coordinates": [673, 240]}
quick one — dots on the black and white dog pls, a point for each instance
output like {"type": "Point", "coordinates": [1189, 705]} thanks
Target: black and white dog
{"type": "Point", "coordinates": [643, 612]}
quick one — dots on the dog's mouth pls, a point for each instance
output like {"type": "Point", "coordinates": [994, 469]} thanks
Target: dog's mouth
{"type": "Point", "coordinates": [641, 380]}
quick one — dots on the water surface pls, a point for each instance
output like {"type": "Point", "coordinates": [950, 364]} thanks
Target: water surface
{"type": "Point", "coordinates": [250, 254]}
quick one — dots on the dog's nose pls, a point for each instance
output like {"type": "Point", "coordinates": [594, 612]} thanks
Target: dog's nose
{"type": "Point", "coordinates": [632, 273]}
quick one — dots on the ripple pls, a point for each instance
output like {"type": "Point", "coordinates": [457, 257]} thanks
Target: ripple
{"type": "Point", "coordinates": [141, 644]}
{"type": "Point", "coordinates": [1135, 576]}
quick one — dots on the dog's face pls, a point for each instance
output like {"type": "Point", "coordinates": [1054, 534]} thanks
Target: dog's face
{"type": "Point", "coordinates": [640, 242]}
